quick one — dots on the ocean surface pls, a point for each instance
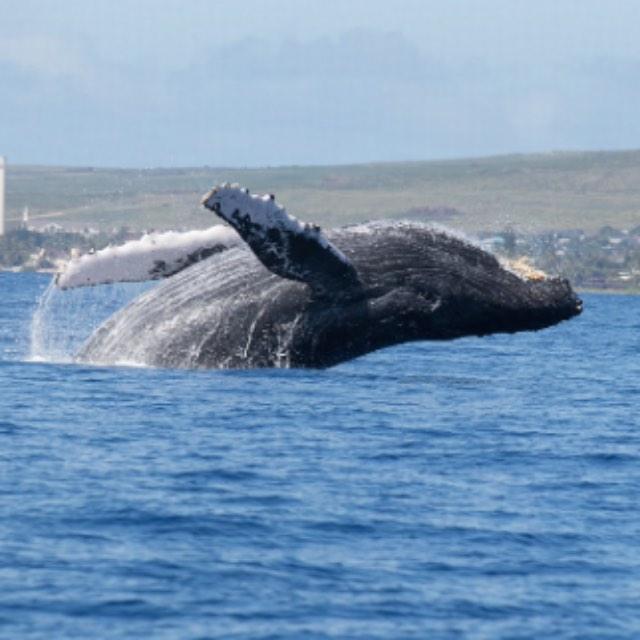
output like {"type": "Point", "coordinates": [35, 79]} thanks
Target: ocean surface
{"type": "Point", "coordinates": [483, 488]}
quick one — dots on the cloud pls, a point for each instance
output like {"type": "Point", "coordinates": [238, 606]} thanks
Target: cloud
{"type": "Point", "coordinates": [361, 95]}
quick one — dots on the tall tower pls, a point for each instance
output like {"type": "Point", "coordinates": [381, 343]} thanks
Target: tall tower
{"type": "Point", "coordinates": [1, 196]}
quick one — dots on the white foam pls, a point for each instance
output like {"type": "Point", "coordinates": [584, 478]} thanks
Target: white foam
{"type": "Point", "coordinates": [62, 321]}
{"type": "Point", "coordinates": [154, 256]}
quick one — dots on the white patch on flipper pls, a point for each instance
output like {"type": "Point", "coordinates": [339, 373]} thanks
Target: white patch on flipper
{"type": "Point", "coordinates": [285, 245]}
{"type": "Point", "coordinates": [152, 257]}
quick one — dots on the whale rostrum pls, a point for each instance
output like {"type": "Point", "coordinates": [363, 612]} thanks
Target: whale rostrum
{"type": "Point", "coordinates": [272, 291]}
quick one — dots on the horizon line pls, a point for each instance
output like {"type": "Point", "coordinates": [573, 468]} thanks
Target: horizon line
{"type": "Point", "coordinates": [517, 154]}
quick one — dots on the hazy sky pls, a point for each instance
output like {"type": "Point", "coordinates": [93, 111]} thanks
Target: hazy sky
{"type": "Point", "coordinates": [249, 82]}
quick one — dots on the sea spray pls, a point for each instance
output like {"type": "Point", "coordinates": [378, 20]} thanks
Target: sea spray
{"type": "Point", "coordinates": [38, 348]}
{"type": "Point", "coordinates": [63, 320]}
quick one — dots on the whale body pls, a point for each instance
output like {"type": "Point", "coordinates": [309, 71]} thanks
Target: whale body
{"type": "Point", "coordinates": [291, 295]}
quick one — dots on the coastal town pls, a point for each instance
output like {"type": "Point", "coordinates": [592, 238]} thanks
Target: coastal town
{"type": "Point", "coordinates": [604, 257]}
{"type": "Point", "coordinates": [607, 260]}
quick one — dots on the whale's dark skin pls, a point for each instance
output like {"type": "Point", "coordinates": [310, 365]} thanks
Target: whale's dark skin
{"type": "Point", "coordinates": [411, 283]}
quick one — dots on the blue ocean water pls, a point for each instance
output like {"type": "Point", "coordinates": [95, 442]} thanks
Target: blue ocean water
{"type": "Point", "coordinates": [483, 488]}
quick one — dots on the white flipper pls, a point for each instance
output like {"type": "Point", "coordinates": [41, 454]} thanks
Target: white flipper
{"type": "Point", "coordinates": [287, 247]}
{"type": "Point", "coordinates": [154, 256]}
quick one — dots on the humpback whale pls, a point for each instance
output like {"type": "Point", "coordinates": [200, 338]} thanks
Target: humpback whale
{"type": "Point", "coordinates": [271, 291]}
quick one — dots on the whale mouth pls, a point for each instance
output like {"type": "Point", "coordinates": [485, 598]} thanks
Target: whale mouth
{"type": "Point", "coordinates": [570, 305]}
{"type": "Point", "coordinates": [576, 303]}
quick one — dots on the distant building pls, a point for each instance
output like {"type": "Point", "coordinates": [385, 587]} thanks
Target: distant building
{"type": "Point", "coordinates": [1, 196]}
{"type": "Point", "coordinates": [52, 227]}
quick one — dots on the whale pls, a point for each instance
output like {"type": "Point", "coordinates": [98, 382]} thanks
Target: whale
{"type": "Point", "coordinates": [267, 290]}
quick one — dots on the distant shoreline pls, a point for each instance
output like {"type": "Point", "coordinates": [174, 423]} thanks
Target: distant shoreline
{"type": "Point", "coordinates": [613, 292]}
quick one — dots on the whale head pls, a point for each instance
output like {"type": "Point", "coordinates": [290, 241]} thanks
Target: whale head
{"type": "Point", "coordinates": [417, 283]}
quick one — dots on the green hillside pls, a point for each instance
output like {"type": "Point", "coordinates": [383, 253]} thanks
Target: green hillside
{"type": "Point", "coordinates": [531, 193]}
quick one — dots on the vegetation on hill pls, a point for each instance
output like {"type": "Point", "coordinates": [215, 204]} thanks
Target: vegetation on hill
{"type": "Point", "coordinates": [574, 214]}
{"type": "Point", "coordinates": [531, 193]}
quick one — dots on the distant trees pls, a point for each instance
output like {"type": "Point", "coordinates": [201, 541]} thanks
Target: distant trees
{"type": "Point", "coordinates": [609, 259]}
{"type": "Point", "coordinates": [28, 248]}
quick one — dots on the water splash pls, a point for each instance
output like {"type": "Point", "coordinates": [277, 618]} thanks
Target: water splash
{"type": "Point", "coordinates": [63, 320]}
{"type": "Point", "coordinates": [38, 341]}
{"type": "Point", "coordinates": [171, 326]}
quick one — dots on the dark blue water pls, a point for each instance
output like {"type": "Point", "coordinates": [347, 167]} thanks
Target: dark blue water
{"type": "Point", "coordinates": [486, 488]}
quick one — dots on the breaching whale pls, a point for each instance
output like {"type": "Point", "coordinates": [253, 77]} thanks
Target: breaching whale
{"type": "Point", "coordinates": [271, 291]}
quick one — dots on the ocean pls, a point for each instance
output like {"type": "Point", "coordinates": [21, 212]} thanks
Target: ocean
{"type": "Point", "coordinates": [481, 488]}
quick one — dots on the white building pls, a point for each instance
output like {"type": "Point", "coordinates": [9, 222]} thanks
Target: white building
{"type": "Point", "coordinates": [1, 196]}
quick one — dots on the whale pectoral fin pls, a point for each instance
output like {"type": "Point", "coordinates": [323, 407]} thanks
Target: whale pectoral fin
{"type": "Point", "coordinates": [287, 247]}
{"type": "Point", "coordinates": [152, 257]}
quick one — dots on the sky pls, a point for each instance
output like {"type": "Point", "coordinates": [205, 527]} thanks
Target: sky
{"type": "Point", "coordinates": [146, 83]}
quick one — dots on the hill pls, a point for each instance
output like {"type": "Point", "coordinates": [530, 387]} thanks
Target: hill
{"type": "Point", "coordinates": [531, 193]}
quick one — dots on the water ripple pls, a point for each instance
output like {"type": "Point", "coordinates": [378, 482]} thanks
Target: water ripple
{"type": "Point", "coordinates": [484, 488]}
